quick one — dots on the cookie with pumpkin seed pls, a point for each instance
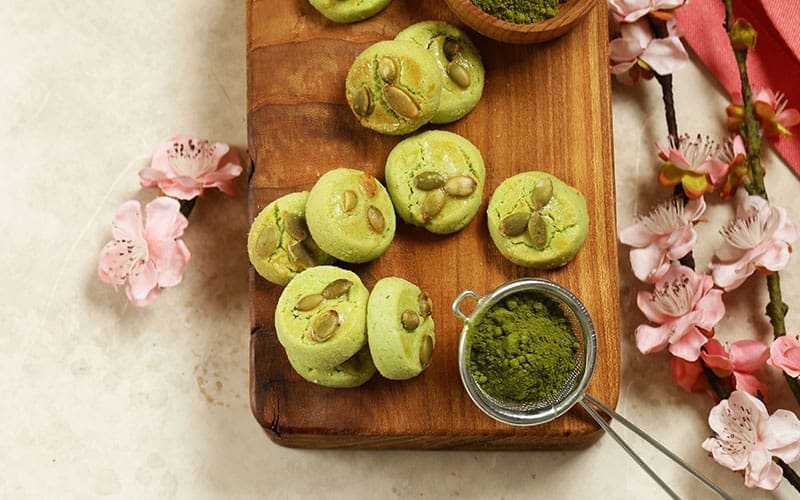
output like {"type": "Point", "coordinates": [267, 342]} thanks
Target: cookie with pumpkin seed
{"type": "Point", "coordinates": [400, 328]}
{"type": "Point", "coordinates": [537, 220]}
{"type": "Point", "coordinates": [350, 215]}
{"type": "Point", "coordinates": [279, 245]}
{"type": "Point", "coordinates": [459, 62]}
{"type": "Point", "coordinates": [349, 11]}
{"type": "Point", "coordinates": [321, 317]}
{"type": "Point", "coordinates": [436, 180]}
{"type": "Point", "coordinates": [394, 87]}
{"type": "Point", "coordinates": [354, 372]}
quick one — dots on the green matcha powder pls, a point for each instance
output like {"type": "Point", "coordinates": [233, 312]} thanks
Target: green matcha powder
{"type": "Point", "coordinates": [522, 349]}
{"type": "Point", "coordinates": [520, 11]}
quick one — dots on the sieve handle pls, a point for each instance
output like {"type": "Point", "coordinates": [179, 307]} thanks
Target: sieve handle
{"type": "Point", "coordinates": [457, 303]}
{"type": "Point", "coordinates": [587, 403]}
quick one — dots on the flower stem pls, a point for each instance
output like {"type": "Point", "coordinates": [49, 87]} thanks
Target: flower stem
{"type": "Point", "coordinates": [187, 206]}
{"type": "Point", "coordinates": [776, 308]}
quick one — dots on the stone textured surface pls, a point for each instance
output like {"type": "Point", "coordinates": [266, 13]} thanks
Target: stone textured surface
{"type": "Point", "coordinates": [104, 400]}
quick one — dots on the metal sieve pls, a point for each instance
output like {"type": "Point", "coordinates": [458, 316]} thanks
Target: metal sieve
{"type": "Point", "coordinates": [574, 389]}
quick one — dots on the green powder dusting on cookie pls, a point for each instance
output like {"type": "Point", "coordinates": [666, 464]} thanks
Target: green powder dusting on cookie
{"type": "Point", "coordinates": [522, 348]}
{"type": "Point", "coordinates": [520, 11]}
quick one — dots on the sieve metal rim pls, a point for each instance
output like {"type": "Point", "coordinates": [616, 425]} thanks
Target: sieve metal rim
{"type": "Point", "coordinates": [554, 291]}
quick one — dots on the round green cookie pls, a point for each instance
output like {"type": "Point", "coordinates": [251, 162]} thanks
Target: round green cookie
{"type": "Point", "coordinates": [400, 328]}
{"type": "Point", "coordinates": [436, 180]}
{"type": "Point", "coordinates": [279, 245]}
{"type": "Point", "coordinates": [459, 62]}
{"type": "Point", "coordinates": [354, 372]}
{"type": "Point", "coordinates": [320, 317]}
{"type": "Point", "coordinates": [350, 215]}
{"type": "Point", "coordinates": [349, 11]}
{"type": "Point", "coordinates": [536, 220]}
{"type": "Point", "coordinates": [394, 87]}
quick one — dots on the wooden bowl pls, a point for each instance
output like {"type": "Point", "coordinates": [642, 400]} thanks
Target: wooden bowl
{"type": "Point", "coordinates": [569, 13]}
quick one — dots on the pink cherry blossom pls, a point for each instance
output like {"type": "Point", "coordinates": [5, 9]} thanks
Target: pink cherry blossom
{"type": "Point", "coordinates": [665, 234]}
{"type": "Point", "coordinates": [785, 355]}
{"type": "Point", "coordinates": [687, 374]}
{"type": "Point", "coordinates": [759, 238]}
{"type": "Point", "coordinates": [773, 112]}
{"type": "Point", "coordinates": [145, 256]}
{"type": "Point", "coordinates": [685, 308]}
{"type": "Point", "coordinates": [637, 45]}
{"type": "Point", "coordinates": [695, 154]}
{"type": "Point", "coordinates": [185, 165]}
{"type": "Point", "coordinates": [631, 10]}
{"type": "Point", "coordinates": [747, 438]}
{"type": "Point", "coordinates": [746, 357]}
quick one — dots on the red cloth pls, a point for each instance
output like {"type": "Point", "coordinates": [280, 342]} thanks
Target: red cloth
{"type": "Point", "coordinates": [774, 64]}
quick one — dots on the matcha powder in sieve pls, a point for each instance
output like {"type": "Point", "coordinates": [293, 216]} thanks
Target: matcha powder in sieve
{"type": "Point", "coordinates": [520, 11]}
{"type": "Point", "coordinates": [522, 348]}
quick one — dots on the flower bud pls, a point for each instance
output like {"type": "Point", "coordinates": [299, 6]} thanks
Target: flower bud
{"type": "Point", "coordinates": [742, 35]}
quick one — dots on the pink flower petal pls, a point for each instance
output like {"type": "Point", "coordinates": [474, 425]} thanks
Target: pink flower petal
{"type": "Point", "coordinates": [636, 235]}
{"type": "Point", "coordinates": [689, 376]}
{"type": "Point", "coordinates": [749, 384]}
{"type": "Point", "coordinates": [716, 357]}
{"type": "Point", "coordinates": [171, 263]}
{"type": "Point", "coordinates": [624, 50]}
{"type": "Point", "coordinates": [781, 435]}
{"type": "Point", "coordinates": [788, 117]}
{"type": "Point", "coordinates": [128, 221]}
{"type": "Point", "coordinates": [651, 339]}
{"type": "Point", "coordinates": [141, 283]}
{"type": "Point", "coordinates": [646, 260]}
{"type": "Point", "coordinates": [749, 355]}
{"type": "Point", "coordinates": [665, 55]}
{"type": "Point", "coordinates": [688, 346]}
{"type": "Point", "coordinates": [150, 177]}
{"type": "Point", "coordinates": [762, 472]}
{"type": "Point", "coordinates": [785, 355]}
{"type": "Point", "coordinates": [164, 220]}
{"type": "Point", "coordinates": [712, 309]}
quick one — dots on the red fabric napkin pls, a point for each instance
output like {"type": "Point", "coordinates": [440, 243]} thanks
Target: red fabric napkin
{"type": "Point", "coordinates": [774, 64]}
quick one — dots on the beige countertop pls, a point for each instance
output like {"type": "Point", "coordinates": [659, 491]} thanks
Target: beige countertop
{"type": "Point", "coordinates": [105, 400]}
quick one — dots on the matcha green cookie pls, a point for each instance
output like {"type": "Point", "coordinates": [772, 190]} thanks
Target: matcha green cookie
{"type": "Point", "coordinates": [538, 221]}
{"type": "Point", "coordinates": [279, 245]}
{"type": "Point", "coordinates": [354, 372]}
{"type": "Point", "coordinates": [320, 317]}
{"type": "Point", "coordinates": [400, 328]}
{"type": "Point", "coordinates": [394, 87]}
{"type": "Point", "coordinates": [459, 63]}
{"type": "Point", "coordinates": [350, 215]}
{"type": "Point", "coordinates": [436, 180]}
{"type": "Point", "coordinates": [349, 11]}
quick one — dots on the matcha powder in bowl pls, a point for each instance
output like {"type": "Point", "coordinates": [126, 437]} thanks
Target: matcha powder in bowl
{"type": "Point", "coordinates": [523, 348]}
{"type": "Point", "coordinates": [520, 11]}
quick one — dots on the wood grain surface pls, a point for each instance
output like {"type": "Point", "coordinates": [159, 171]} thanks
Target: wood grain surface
{"type": "Point", "coordinates": [545, 107]}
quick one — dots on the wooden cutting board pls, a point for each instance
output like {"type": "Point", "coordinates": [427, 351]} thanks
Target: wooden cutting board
{"type": "Point", "coordinates": [544, 107]}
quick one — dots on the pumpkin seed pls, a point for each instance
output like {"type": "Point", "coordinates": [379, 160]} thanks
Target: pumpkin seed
{"type": "Point", "coordinates": [362, 103]}
{"type": "Point", "coordinates": [387, 70]}
{"type": "Point", "coordinates": [425, 305]}
{"type": "Point", "coordinates": [375, 219]}
{"type": "Point", "coordinates": [542, 193]}
{"type": "Point", "coordinates": [337, 288]}
{"type": "Point", "coordinates": [514, 224]}
{"type": "Point", "coordinates": [425, 351]}
{"type": "Point", "coordinates": [300, 255]}
{"type": "Point", "coordinates": [429, 180]}
{"type": "Point", "coordinates": [354, 366]}
{"type": "Point", "coordinates": [401, 102]}
{"type": "Point", "coordinates": [314, 250]}
{"type": "Point", "coordinates": [295, 225]}
{"type": "Point", "coordinates": [409, 319]}
{"type": "Point", "coordinates": [267, 241]}
{"type": "Point", "coordinates": [324, 325]}
{"type": "Point", "coordinates": [367, 182]}
{"type": "Point", "coordinates": [433, 203]}
{"type": "Point", "coordinates": [537, 230]}
{"type": "Point", "coordinates": [460, 186]}
{"type": "Point", "coordinates": [349, 200]}
{"type": "Point", "coordinates": [451, 48]}
{"type": "Point", "coordinates": [458, 73]}
{"type": "Point", "coordinates": [309, 302]}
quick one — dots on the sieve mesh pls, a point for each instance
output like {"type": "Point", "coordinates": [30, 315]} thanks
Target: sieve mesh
{"type": "Point", "coordinates": [540, 410]}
